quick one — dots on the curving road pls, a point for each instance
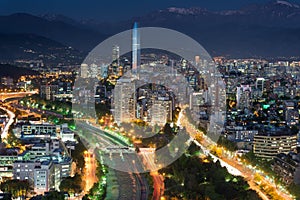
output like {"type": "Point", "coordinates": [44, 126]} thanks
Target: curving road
{"type": "Point", "coordinates": [9, 95]}
{"type": "Point", "coordinates": [233, 166]}
{"type": "Point", "coordinates": [11, 120]}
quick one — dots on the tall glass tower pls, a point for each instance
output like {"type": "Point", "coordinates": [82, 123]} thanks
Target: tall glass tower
{"type": "Point", "coordinates": [136, 51]}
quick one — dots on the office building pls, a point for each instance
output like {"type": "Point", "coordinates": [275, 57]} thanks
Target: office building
{"type": "Point", "coordinates": [161, 111]}
{"type": "Point", "coordinates": [84, 71]}
{"type": "Point", "coordinates": [260, 84]}
{"type": "Point", "coordinates": [269, 145]}
{"type": "Point", "coordinates": [94, 71]}
{"type": "Point", "coordinates": [124, 101]}
{"type": "Point", "coordinates": [44, 177]}
{"type": "Point", "coordinates": [24, 170]}
{"type": "Point", "coordinates": [48, 92]}
{"type": "Point", "coordinates": [116, 55]}
{"type": "Point", "coordinates": [243, 94]}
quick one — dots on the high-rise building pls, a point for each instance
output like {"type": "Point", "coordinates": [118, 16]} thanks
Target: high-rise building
{"type": "Point", "coordinates": [259, 84]}
{"type": "Point", "coordinates": [161, 111]}
{"type": "Point", "coordinates": [243, 96]}
{"type": "Point", "coordinates": [84, 71]}
{"type": "Point", "coordinates": [196, 101]}
{"type": "Point", "coordinates": [124, 98]}
{"type": "Point", "coordinates": [104, 71]}
{"type": "Point", "coordinates": [124, 101]}
{"type": "Point", "coordinates": [48, 92]}
{"type": "Point", "coordinates": [136, 51]}
{"type": "Point", "coordinates": [94, 69]}
{"type": "Point", "coordinates": [197, 60]}
{"type": "Point", "coordinates": [116, 54]}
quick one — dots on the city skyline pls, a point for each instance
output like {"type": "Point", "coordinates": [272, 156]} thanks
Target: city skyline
{"type": "Point", "coordinates": [186, 103]}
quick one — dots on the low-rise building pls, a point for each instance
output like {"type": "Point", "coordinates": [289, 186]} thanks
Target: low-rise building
{"type": "Point", "coordinates": [268, 145]}
{"type": "Point", "coordinates": [286, 166]}
{"type": "Point", "coordinates": [66, 134]}
{"type": "Point", "coordinates": [7, 158]}
{"type": "Point", "coordinates": [24, 170]}
{"type": "Point", "coordinates": [40, 128]}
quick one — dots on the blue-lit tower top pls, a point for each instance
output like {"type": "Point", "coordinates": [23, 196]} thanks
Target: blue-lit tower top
{"type": "Point", "coordinates": [136, 51]}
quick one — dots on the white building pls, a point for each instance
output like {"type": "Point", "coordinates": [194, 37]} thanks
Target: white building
{"type": "Point", "coordinates": [84, 71]}
{"type": "Point", "coordinates": [66, 134]}
{"type": "Point", "coordinates": [124, 100]}
{"type": "Point", "coordinates": [44, 177]}
{"type": "Point", "coordinates": [40, 128]}
{"type": "Point", "coordinates": [196, 100]}
{"type": "Point", "coordinates": [161, 112]}
{"type": "Point", "coordinates": [94, 71]}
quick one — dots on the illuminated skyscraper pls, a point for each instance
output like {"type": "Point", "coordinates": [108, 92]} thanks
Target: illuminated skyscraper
{"type": "Point", "coordinates": [94, 69]}
{"type": "Point", "coordinates": [116, 54]}
{"type": "Point", "coordinates": [136, 51]}
{"type": "Point", "coordinates": [84, 70]}
{"type": "Point", "coordinates": [124, 102]}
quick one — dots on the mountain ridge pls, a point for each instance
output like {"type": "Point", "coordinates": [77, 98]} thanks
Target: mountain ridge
{"type": "Point", "coordinates": [267, 30]}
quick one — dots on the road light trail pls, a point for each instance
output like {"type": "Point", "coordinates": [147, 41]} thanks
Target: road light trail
{"type": "Point", "coordinates": [11, 116]}
{"type": "Point", "coordinates": [131, 186]}
{"type": "Point", "coordinates": [245, 171]}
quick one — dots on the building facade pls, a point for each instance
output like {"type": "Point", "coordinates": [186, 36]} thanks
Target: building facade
{"type": "Point", "coordinates": [268, 146]}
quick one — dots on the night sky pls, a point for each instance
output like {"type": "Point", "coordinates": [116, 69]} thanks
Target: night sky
{"type": "Point", "coordinates": [114, 9]}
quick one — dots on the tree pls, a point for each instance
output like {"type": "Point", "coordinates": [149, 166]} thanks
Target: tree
{"type": "Point", "coordinates": [294, 129]}
{"type": "Point", "coordinates": [189, 178]}
{"type": "Point", "coordinates": [71, 185]}
{"type": "Point", "coordinates": [54, 195]}
{"type": "Point", "coordinates": [229, 145]}
{"type": "Point", "coordinates": [78, 156]}
{"type": "Point", "coordinates": [16, 187]}
{"type": "Point", "coordinates": [294, 190]}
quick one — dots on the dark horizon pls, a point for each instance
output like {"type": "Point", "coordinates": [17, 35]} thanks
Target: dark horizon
{"type": "Point", "coordinates": [108, 11]}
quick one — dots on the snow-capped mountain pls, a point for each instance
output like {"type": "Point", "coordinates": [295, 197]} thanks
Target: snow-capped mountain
{"type": "Point", "coordinates": [258, 30]}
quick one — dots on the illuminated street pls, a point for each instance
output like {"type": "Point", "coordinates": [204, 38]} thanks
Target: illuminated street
{"type": "Point", "coordinates": [89, 170]}
{"type": "Point", "coordinates": [156, 100]}
{"type": "Point", "coordinates": [129, 184]}
{"type": "Point", "coordinates": [9, 95]}
{"type": "Point", "coordinates": [11, 116]}
{"type": "Point", "coordinates": [246, 172]}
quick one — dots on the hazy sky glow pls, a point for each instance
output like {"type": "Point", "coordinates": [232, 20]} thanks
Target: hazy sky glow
{"type": "Point", "coordinates": [113, 9]}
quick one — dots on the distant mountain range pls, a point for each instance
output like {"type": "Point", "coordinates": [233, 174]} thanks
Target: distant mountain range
{"type": "Point", "coordinates": [33, 47]}
{"type": "Point", "coordinates": [268, 30]}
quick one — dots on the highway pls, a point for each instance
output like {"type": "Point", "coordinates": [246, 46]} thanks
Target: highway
{"type": "Point", "coordinates": [130, 185]}
{"type": "Point", "coordinates": [158, 180]}
{"type": "Point", "coordinates": [11, 116]}
{"type": "Point", "coordinates": [9, 95]}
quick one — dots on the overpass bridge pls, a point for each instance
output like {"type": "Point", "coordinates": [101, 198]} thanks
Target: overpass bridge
{"type": "Point", "coordinates": [118, 149]}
